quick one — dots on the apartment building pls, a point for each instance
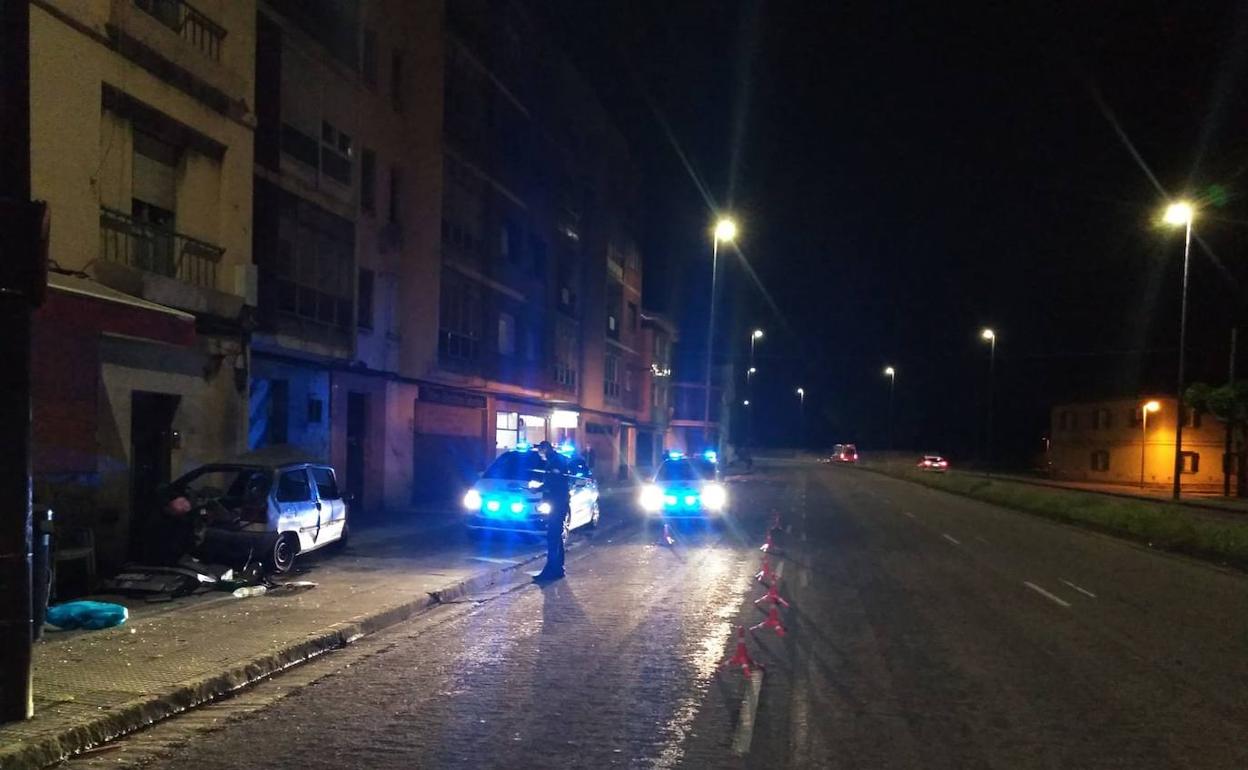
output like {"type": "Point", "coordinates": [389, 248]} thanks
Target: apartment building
{"type": "Point", "coordinates": [1127, 441]}
{"type": "Point", "coordinates": [142, 136]}
{"type": "Point", "coordinates": [659, 335]}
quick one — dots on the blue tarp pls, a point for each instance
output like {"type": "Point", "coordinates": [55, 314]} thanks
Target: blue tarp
{"type": "Point", "coordinates": [85, 614]}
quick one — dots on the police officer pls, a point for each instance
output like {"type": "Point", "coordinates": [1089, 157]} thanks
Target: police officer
{"type": "Point", "coordinates": [555, 492]}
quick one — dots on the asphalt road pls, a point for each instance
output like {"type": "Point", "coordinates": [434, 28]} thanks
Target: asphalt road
{"type": "Point", "coordinates": [926, 631]}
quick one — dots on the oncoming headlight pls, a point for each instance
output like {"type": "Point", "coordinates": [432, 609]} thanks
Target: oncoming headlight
{"type": "Point", "coordinates": [714, 496]}
{"type": "Point", "coordinates": [472, 500]}
{"type": "Point", "coordinates": [651, 498]}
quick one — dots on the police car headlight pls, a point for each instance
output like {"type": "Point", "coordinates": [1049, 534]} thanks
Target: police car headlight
{"type": "Point", "coordinates": [714, 496]}
{"type": "Point", "coordinates": [544, 508]}
{"type": "Point", "coordinates": [651, 498]}
{"type": "Point", "coordinates": [472, 500]}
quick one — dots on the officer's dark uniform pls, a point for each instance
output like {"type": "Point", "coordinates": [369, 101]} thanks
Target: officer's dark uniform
{"type": "Point", "coordinates": [555, 492]}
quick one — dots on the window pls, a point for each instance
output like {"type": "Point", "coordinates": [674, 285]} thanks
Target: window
{"type": "Point", "coordinates": [1100, 460]}
{"type": "Point", "coordinates": [506, 429]}
{"type": "Point", "coordinates": [368, 57]}
{"type": "Point", "coordinates": [1068, 420]}
{"type": "Point", "coordinates": [335, 153]}
{"type": "Point", "coordinates": [310, 273]}
{"type": "Point", "coordinates": [326, 484]}
{"type": "Point", "coordinates": [459, 319]}
{"type": "Point", "coordinates": [1135, 417]}
{"type": "Point", "coordinates": [1191, 417]}
{"type": "Point", "coordinates": [1102, 419]}
{"type": "Point", "coordinates": [396, 80]}
{"type": "Point", "coordinates": [365, 302]}
{"type": "Point", "coordinates": [1190, 461]}
{"type": "Point", "coordinates": [511, 243]}
{"type": "Point", "coordinates": [396, 195]}
{"type": "Point", "coordinates": [537, 253]}
{"type": "Point", "coordinates": [293, 487]}
{"type": "Point", "coordinates": [611, 376]}
{"type": "Point", "coordinates": [368, 181]}
{"type": "Point", "coordinates": [615, 306]}
{"type": "Point", "coordinates": [316, 409]}
{"type": "Point", "coordinates": [566, 355]}
{"type": "Point", "coordinates": [506, 334]}
{"type": "Point", "coordinates": [632, 316]}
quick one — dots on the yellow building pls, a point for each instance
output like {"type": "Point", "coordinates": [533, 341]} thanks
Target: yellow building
{"type": "Point", "coordinates": [1131, 441]}
{"type": "Point", "coordinates": [141, 143]}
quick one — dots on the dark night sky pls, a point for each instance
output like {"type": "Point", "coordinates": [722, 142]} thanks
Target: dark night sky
{"type": "Point", "coordinates": [905, 174]}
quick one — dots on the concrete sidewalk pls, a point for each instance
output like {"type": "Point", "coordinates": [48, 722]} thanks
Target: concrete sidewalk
{"type": "Point", "coordinates": [93, 686]}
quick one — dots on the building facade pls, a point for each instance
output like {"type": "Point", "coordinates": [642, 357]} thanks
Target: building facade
{"type": "Point", "coordinates": [142, 137]}
{"type": "Point", "coordinates": [1118, 441]}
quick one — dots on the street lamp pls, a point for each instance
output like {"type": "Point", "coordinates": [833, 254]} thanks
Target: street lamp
{"type": "Point", "coordinates": [1180, 214]}
{"type": "Point", "coordinates": [1145, 410]}
{"type": "Point", "coordinates": [755, 336]}
{"type": "Point", "coordinates": [891, 374]}
{"type": "Point", "coordinates": [726, 231]}
{"type": "Point", "coordinates": [989, 336]}
{"type": "Point", "coordinates": [746, 402]}
{"type": "Point", "coordinates": [801, 415]}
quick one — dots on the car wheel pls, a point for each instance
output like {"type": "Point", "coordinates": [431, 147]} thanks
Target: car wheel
{"type": "Point", "coordinates": [285, 547]}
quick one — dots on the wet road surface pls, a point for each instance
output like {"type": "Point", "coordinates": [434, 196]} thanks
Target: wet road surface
{"type": "Point", "coordinates": [925, 631]}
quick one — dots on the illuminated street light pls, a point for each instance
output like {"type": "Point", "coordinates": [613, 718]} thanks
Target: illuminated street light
{"type": "Point", "coordinates": [989, 336]}
{"type": "Point", "coordinates": [1145, 411]}
{"type": "Point", "coordinates": [751, 370]}
{"type": "Point", "coordinates": [757, 335]}
{"type": "Point", "coordinates": [891, 374]}
{"type": "Point", "coordinates": [801, 392]}
{"type": "Point", "coordinates": [745, 402]}
{"type": "Point", "coordinates": [725, 230]}
{"type": "Point", "coordinates": [1180, 214]}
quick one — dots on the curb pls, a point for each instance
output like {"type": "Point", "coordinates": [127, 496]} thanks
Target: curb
{"type": "Point", "coordinates": [142, 712]}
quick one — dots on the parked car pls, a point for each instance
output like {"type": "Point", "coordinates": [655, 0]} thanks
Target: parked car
{"type": "Point", "coordinates": [269, 506]}
{"type": "Point", "coordinates": [508, 496]}
{"type": "Point", "coordinates": [685, 487]}
{"type": "Point", "coordinates": [934, 463]}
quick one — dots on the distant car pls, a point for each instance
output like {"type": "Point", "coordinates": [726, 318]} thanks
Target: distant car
{"type": "Point", "coordinates": [934, 463]}
{"type": "Point", "coordinates": [508, 496]}
{"type": "Point", "coordinates": [844, 453]}
{"type": "Point", "coordinates": [685, 487]}
{"type": "Point", "coordinates": [270, 505]}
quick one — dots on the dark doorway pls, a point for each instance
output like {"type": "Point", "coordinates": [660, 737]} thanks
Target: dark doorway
{"type": "Point", "coordinates": [151, 460]}
{"type": "Point", "coordinates": [357, 440]}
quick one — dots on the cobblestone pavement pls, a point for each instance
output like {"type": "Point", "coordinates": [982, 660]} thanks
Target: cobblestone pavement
{"type": "Point", "coordinates": [925, 631]}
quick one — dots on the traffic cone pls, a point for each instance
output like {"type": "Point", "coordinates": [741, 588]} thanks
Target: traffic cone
{"type": "Point", "coordinates": [773, 596]}
{"type": "Point", "coordinates": [769, 546]}
{"type": "Point", "coordinates": [741, 657]}
{"type": "Point", "coordinates": [772, 621]}
{"type": "Point", "coordinates": [775, 521]}
{"type": "Point", "coordinates": [766, 574]}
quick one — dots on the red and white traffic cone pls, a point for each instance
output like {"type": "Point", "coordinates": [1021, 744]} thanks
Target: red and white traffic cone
{"type": "Point", "coordinates": [773, 596]}
{"type": "Point", "coordinates": [769, 546]}
{"type": "Point", "coordinates": [772, 621]}
{"type": "Point", "coordinates": [766, 574]}
{"type": "Point", "coordinates": [775, 521]}
{"type": "Point", "coordinates": [741, 657]}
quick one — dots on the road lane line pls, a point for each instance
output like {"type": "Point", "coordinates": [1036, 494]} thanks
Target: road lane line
{"type": "Point", "coordinates": [1046, 594]}
{"type": "Point", "coordinates": [908, 513]}
{"type": "Point", "coordinates": [1083, 591]}
{"type": "Point", "coordinates": [982, 539]}
{"type": "Point", "coordinates": [749, 709]}
{"type": "Point", "coordinates": [951, 539]}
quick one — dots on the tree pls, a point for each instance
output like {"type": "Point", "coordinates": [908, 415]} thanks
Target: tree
{"type": "Point", "coordinates": [1229, 405]}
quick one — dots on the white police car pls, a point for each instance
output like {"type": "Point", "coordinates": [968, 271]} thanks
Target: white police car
{"type": "Point", "coordinates": [685, 487]}
{"type": "Point", "coordinates": [508, 496]}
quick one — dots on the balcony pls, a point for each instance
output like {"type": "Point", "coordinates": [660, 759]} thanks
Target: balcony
{"type": "Point", "coordinates": [170, 268]}
{"type": "Point", "coordinates": [189, 23]}
{"type": "Point", "coordinates": [142, 246]}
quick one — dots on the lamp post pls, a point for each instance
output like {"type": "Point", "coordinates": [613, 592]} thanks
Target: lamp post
{"type": "Point", "coordinates": [891, 374]}
{"type": "Point", "coordinates": [755, 336]}
{"type": "Point", "coordinates": [989, 336]}
{"type": "Point", "coordinates": [725, 230]}
{"type": "Point", "coordinates": [1151, 406]}
{"type": "Point", "coordinates": [801, 415]}
{"type": "Point", "coordinates": [1180, 214]}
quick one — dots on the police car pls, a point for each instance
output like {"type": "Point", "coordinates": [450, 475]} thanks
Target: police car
{"type": "Point", "coordinates": [508, 496]}
{"type": "Point", "coordinates": [685, 487]}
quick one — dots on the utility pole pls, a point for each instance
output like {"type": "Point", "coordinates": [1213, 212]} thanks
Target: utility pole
{"type": "Point", "coordinates": [19, 260]}
{"type": "Point", "coordinates": [1230, 422]}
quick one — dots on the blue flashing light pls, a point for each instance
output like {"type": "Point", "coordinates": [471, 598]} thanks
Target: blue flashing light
{"type": "Point", "coordinates": [711, 455]}
{"type": "Point", "coordinates": [566, 449]}
{"type": "Point", "coordinates": [673, 454]}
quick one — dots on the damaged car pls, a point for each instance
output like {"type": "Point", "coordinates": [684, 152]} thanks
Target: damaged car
{"type": "Point", "coordinates": [268, 506]}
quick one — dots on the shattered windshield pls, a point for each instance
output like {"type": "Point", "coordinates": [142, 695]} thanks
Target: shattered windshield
{"type": "Point", "coordinates": [234, 486]}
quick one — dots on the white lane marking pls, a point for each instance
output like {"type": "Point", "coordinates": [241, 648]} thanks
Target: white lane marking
{"type": "Point", "coordinates": [1046, 594]}
{"type": "Point", "coordinates": [1083, 591]}
{"type": "Point", "coordinates": [982, 539]}
{"type": "Point", "coordinates": [951, 539]}
{"type": "Point", "coordinates": [493, 559]}
{"type": "Point", "coordinates": [749, 709]}
{"type": "Point", "coordinates": [908, 513]}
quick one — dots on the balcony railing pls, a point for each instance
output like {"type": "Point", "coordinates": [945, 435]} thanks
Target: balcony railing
{"type": "Point", "coordinates": [186, 20]}
{"type": "Point", "coordinates": [128, 241]}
